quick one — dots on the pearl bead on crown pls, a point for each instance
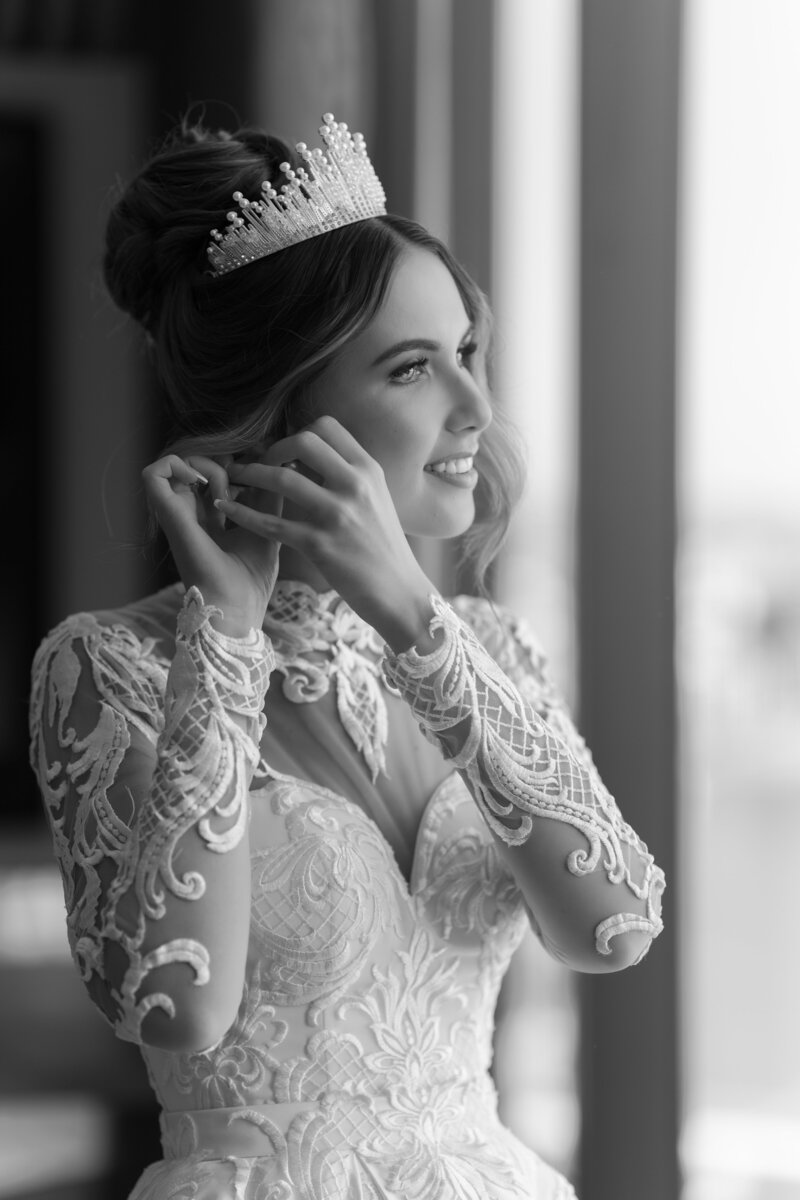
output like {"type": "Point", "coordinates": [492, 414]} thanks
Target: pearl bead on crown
{"type": "Point", "coordinates": [335, 188]}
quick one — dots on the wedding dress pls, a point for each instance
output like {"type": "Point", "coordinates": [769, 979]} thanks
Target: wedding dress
{"type": "Point", "coordinates": [405, 818]}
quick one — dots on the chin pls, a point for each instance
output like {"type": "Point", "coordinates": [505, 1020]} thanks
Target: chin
{"type": "Point", "coordinates": [441, 525]}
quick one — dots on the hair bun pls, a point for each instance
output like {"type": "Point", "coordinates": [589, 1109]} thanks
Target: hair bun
{"type": "Point", "coordinates": [159, 229]}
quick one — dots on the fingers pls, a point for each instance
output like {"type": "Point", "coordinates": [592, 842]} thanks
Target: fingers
{"type": "Point", "coordinates": [169, 470]}
{"type": "Point", "coordinates": [325, 445]}
{"type": "Point", "coordinates": [283, 482]}
{"type": "Point", "coordinates": [171, 485]}
{"type": "Point", "coordinates": [216, 488]}
{"type": "Point", "coordinates": [309, 449]}
{"type": "Point", "coordinates": [341, 439]}
{"type": "Point", "coordinates": [328, 451]}
{"type": "Point", "coordinates": [227, 482]}
{"type": "Point", "coordinates": [266, 525]}
{"type": "Point", "coordinates": [213, 473]}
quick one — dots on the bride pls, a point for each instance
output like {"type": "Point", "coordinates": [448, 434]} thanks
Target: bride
{"type": "Point", "coordinates": [305, 807]}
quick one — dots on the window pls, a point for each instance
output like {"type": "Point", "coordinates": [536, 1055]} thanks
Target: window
{"type": "Point", "coordinates": [534, 244]}
{"type": "Point", "coordinates": [739, 600]}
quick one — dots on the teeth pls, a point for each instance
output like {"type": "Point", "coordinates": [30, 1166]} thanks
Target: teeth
{"type": "Point", "coordinates": [453, 466]}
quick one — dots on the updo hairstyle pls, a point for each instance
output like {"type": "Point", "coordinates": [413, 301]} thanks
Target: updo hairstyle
{"type": "Point", "coordinates": [236, 354]}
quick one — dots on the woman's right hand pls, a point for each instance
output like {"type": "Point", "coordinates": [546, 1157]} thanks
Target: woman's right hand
{"type": "Point", "coordinates": [233, 568]}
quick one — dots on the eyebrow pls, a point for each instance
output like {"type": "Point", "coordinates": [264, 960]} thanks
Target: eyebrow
{"type": "Point", "coordinates": [415, 344]}
{"type": "Point", "coordinates": [408, 344]}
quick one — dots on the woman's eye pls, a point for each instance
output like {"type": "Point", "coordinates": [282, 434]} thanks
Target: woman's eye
{"type": "Point", "coordinates": [467, 351]}
{"type": "Point", "coordinates": [410, 372]}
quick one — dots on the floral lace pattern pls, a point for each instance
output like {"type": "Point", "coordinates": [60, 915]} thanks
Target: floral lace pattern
{"type": "Point", "coordinates": [118, 864]}
{"type": "Point", "coordinates": [357, 1065]}
{"type": "Point", "coordinates": [318, 640]}
{"type": "Point", "coordinates": [518, 767]}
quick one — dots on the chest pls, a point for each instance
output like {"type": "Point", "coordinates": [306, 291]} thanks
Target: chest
{"type": "Point", "coordinates": [327, 889]}
{"type": "Point", "coordinates": [326, 743]}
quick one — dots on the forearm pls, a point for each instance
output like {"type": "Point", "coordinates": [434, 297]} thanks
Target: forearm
{"type": "Point", "coordinates": [181, 910]}
{"type": "Point", "coordinates": [586, 876]}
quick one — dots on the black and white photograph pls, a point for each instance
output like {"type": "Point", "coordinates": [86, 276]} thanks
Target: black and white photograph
{"type": "Point", "coordinates": [401, 600]}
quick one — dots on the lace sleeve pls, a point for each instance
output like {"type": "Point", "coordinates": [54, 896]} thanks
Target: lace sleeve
{"type": "Point", "coordinates": [144, 773]}
{"type": "Point", "coordinates": [586, 876]}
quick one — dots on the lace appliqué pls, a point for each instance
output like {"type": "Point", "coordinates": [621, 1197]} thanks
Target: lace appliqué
{"type": "Point", "coordinates": [517, 767]}
{"type": "Point", "coordinates": [418, 1143]}
{"type": "Point", "coordinates": [514, 648]}
{"type": "Point", "coordinates": [322, 900]}
{"type": "Point", "coordinates": [239, 1068]}
{"type": "Point", "coordinates": [319, 640]}
{"type": "Point", "coordinates": [118, 868]}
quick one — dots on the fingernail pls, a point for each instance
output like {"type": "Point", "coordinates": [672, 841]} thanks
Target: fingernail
{"type": "Point", "coordinates": [220, 503]}
{"type": "Point", "coordinates": [202, 478]}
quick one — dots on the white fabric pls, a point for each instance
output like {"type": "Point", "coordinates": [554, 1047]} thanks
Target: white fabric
{"type": "Point", "coordinates": [387, 892]}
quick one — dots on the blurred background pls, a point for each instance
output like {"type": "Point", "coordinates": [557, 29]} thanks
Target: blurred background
{"type": "Point", "coordinates": [622, 178]}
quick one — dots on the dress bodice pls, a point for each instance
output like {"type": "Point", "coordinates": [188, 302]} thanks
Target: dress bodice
{"type": "Point", "coordinates": [337, 934]}
{"type": "Point", "coordinates": [385, 806]}
{"type": "Point", "coordinates": [322, 689]}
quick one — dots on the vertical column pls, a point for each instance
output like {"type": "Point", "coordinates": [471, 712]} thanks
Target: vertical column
{"type": "Point", "coordinates": [91, 455]}
{"type": "Point", "coordinates": [396, 105]}
{"type": "Point", "coordinates": [410, 76]}
{"type": "Point", "coordinates": [434, 117]}
{"type": "Point", "coordinates": [629, 112]}
{"type": "Point", "coordinates": [473, 108]}
{"type": "Point", "coordinates": [471, 175]}
{"type": "Point", "coordinates": [314, 58]}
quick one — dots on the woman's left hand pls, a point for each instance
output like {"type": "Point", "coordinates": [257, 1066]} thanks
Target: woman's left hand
{"type": "Point", "coordinates": [350, 528]}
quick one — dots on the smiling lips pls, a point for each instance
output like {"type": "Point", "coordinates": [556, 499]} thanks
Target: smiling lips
{"type": "Point", "coordinates": [451, 466]}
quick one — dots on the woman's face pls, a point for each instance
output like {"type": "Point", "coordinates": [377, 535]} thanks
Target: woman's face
{"type": "Point", "coordinates": [404, 389]}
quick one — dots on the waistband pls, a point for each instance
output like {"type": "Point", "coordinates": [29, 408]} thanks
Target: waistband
{"type": "Point", "coordinates": [246, 1131]}
{"type": "Point", "coordinates": [259, 1130]}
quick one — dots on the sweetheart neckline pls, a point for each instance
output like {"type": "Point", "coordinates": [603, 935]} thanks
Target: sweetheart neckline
{"type": "Point", "coordinates": [408, 883]}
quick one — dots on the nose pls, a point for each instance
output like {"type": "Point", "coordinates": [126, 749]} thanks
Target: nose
{"type": "Point", "coordinates": [469, 405]}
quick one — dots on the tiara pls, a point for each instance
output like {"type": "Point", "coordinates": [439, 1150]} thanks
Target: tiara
{"type": "Point", "coordinates": [339, 188]}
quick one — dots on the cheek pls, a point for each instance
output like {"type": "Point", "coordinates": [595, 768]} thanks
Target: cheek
{"type": "Point", "coordinates": [398, 446]}
{"type": "Point", "coordinates": [403, 468]}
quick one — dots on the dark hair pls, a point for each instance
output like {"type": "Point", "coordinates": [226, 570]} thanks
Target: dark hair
{"type": "Point", "coordinates": [237, 353]}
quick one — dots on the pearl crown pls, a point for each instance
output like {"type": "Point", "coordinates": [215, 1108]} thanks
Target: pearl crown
{"type": "Point", "coordinates": [339, 188]}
